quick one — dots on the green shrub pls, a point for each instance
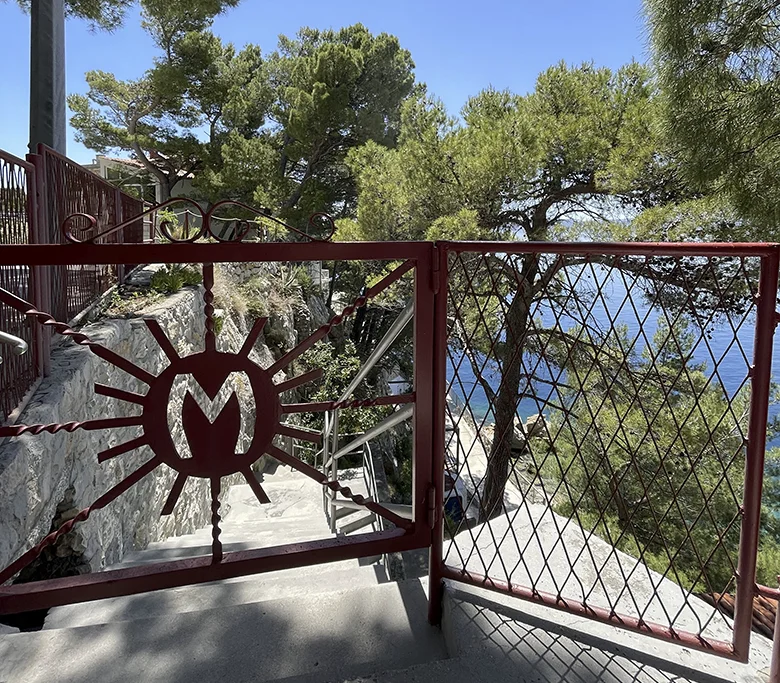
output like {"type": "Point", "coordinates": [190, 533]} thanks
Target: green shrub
{"type": "Point", "coordinates": [171, 278]}
{"type": "Point", "coordinates": [305, 281]}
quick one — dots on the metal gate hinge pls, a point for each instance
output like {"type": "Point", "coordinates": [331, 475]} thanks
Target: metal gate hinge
{"type": "Point", "coordinates": [432, 512]}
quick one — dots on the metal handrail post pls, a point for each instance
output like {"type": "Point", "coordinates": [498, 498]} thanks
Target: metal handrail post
{"type": "Point", "coordinates": [325, 489]}
{"type": "Point", "coordinates": [334, 469]}
{"type": "Point", "coordinates": [369, 479]}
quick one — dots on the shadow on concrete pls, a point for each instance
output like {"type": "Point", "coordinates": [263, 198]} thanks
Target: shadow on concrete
{"type": "Point", "coordinates": [328, 637]}
{"type": "Point", "coordinates": [509, 644]}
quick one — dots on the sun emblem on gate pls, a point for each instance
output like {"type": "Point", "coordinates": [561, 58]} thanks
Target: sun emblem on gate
{"type": "Point", "coordinates": [213, 443]}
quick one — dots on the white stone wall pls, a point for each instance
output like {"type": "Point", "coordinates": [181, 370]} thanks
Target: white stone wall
{"type": "Point", "coordinates": [38, 472]}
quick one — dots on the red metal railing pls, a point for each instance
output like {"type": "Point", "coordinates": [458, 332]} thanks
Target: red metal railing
{"type": "Point", "coordinates": [612, 427]}
{"type": "Point", "coordinates": [18, 373]}
{"type": "Point", "coordinates": [68, 189]}
{"type": "Point", "coordinates": [36, 196]}
{"type": "Point", "coordinates": [409, 265]}
{"type": "Point", "coordinates": [130, 207]}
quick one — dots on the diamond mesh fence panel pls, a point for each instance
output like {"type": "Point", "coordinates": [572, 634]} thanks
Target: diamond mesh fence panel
{"type": "Point", "coordinates": [597, 414]}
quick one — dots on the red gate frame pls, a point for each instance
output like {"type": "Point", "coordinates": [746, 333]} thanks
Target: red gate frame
{"type": "Point", "coordinates": [760, 375]}
{"type": "Point", "coordinates": [112, 583]}
{"type": "Point", "coordinates": [431, 275]}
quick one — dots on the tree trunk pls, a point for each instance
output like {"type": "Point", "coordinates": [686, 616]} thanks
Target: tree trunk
{"type": "Point", "coordinates": [505, 405]}
{"type": "Point", "coordinates": [165, 190]}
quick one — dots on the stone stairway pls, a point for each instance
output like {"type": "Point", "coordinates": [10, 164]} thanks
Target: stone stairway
{"type": "Point", "coordinates": [336, 622]}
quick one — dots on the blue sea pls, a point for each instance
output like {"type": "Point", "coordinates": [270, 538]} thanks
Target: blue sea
{"type": "Point", "coordinates": [726, 352]}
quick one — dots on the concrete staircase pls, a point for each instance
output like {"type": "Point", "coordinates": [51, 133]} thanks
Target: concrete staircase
{"type": "Point", "coordinates": [337, 622]}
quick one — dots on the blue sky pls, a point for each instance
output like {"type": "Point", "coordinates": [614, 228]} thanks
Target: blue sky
{"type": "Point", "coordinates": [459, 47]}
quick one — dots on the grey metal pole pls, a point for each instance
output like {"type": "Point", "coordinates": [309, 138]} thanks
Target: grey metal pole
{"type": "Point", "coordinates": [47, 74]}
{"type": "Point", "coordinates": [334, 469]}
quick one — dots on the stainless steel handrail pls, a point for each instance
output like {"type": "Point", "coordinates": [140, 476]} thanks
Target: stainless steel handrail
{"type": "Point", "coordinates": [19, 346]}
{"type": "Point", "coordinates": [405, 511]}
{"type": "Point", "coordinates": [388, 423]}
{"type": "Point", "coordinates": [390, 336]}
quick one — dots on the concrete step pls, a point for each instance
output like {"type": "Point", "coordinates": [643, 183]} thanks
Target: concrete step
{"type": "Point", "coordinates": [357, 524]}
{"type": "Point", "coordinates": [342, 512]}
{"type": "Point", "coordinates": [197, 544]}
{"type": "Point", "coordinates": [314, 580]}
{"type": "Point", "coordinates": [370, 561]}
{"type": "Point", "coordinates": [328, 637]}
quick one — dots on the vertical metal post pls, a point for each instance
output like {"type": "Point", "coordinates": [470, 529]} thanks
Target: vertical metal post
{"type": "Point", "coordinates": [325, 451]}
{"type": "Point", "coordinates": [47, 74]}
{"type": "Point", "coordinates": [334, 469]}
{"type": "Point", "coordinates": [754, 458]}
{"type": "Point", "coordinates": [435, 560]}
{"type": "Point", "coordinates": [120, 268]}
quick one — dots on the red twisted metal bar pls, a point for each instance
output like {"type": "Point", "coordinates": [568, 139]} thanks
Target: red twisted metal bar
{"type": "Point", "coordinates": [208, 308]}
{"type": "Point", "coordinates": [336, 320]}
{"type": "Point", "coordinates": [61, 328]}
{"type": "Point", "coordinates": [216, 544]}
{"type": "Point", "coordinates": [87, 425]}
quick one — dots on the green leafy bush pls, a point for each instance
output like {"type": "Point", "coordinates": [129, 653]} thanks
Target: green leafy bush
{"type": "Point", "coordinates": [660, 474]}
{"type": "Point", "coordinates": [171, 278]}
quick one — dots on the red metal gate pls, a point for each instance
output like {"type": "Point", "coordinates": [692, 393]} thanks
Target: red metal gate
{"type": "Point", "coordinates": [210, 368]}
{"type": "Point", "coordinates": [602, 423]}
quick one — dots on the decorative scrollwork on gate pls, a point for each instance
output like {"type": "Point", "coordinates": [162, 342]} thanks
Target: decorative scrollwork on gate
{"type": "Point", "coordinates": [206, 224]}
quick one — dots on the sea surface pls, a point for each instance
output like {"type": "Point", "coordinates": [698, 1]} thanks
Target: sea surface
{"type": "Point", "coordinates": [724, 346]}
